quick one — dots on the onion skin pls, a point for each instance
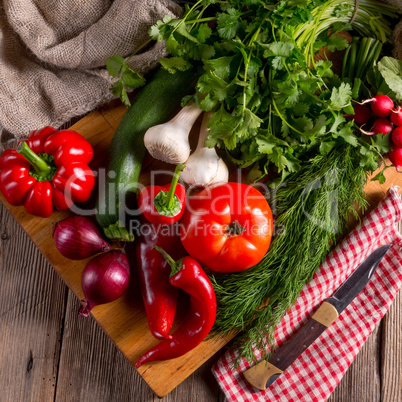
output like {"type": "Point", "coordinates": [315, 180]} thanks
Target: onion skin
{"type": "Point", "coordinates": [105, 278]}
{"type": "Point", "coordinates": [78, 238]}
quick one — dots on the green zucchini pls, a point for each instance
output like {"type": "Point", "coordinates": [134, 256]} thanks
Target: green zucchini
{"type": "Point", "coordinates": [154, 104]}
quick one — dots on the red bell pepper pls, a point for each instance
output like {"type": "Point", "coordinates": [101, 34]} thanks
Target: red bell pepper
{"type": "Point", "coordinates": [187, 275]}
{"type": "Point", "coordinates": [228, 227]}
{"type": "Point", "coordinates": [159, 296]}
{"type": "Point", "coordinates": [48, 169]}
{"type": "Point", "coordinates": [164, 204]}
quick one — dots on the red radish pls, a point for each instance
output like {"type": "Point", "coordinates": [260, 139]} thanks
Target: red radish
{"type": "Point", "coordinates": [397, 137]}
{"type": "Point", "coordinates": [395, 156]}
{"type": "Point", "coordinates": [362, 114]}
{"type": "Point", "coordinates": [78, 238]}
{"type": "Point", "coordinates": [105, 278]}
{"type": "Point", "coordinates": [381, 105]}
{"type": "Point", "coordinates": [396, 116]}
{"type": "Point", "coordinates": [382, 126]}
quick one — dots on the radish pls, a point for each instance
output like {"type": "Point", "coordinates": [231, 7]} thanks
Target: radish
{"type": "Point", "coordinates": [362, 114]}
{"type": "Point", "coordinates": [395, 156]}
{"type": "Point", "coordinates": [382, 126]}
{"type": "Point", "coordinates": [381, 105]}
{"type": "Point", "coordinates": [397, 137]}
{"type": "Point", "coordinates": [396, 116]}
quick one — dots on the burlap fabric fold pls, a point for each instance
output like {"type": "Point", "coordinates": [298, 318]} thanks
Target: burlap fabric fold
{"type": "Point", "coordinates": [53, 52]}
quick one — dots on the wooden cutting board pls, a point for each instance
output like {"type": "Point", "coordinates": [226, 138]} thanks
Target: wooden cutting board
{"type": "Point", "coordinates": [124, 320]}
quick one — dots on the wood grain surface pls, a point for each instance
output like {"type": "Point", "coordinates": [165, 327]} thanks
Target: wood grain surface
{"type": "Point", "coordinates": [47, 352]}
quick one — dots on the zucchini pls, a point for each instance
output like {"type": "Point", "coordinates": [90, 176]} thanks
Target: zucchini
{"type": "Point", "coordinates": [154, 104]}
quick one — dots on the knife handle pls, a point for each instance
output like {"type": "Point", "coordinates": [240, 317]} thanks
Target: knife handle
{"type": "Point", "coordinates": [263, 374]}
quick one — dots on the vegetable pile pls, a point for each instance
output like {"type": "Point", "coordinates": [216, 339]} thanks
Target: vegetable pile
{"type": "Point", "coordinates": [226, 228]}
{"type": "Point", "coordinates": [280, 110]}
{"type": "Point", "coordinates": [303, 129]}
{"type": "Point", "coordinates": [274, 105]}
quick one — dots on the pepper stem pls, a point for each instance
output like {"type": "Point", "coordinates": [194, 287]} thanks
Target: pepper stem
{"type": "Point", "coordinates": [173, 185]}
{"type": "Point", "coordinates": [176, 266]}
{"type": "Point", "coordinates": [40, 166]}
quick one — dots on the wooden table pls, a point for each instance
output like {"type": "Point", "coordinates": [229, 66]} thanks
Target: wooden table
{"type": "Point", "coordinates": [49, 353]}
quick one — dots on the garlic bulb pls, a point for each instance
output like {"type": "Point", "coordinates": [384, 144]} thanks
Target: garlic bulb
{"type": "Point", "coordinates": [204, 167]}
{"type": "Point", "coordinates": [168, 142]}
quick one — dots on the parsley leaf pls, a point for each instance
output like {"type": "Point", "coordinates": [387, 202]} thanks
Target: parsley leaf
{"type": "Point", "coordinates": [130, 78]}
{"type": "Point", "coordinates": [114, 65]}
{"type": "Point", "coordinates": [172, 64]}
{"type": "Point", "coordinates": [229, 23]}
{"type": "Point", "coordinates": [336, 42]}
{"type": "Point", "coordinates": [341, 96]}
{"type": "Point", "coordinates": [118, 68]}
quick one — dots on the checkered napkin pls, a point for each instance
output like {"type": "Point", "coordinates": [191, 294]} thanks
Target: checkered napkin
{"type": "Point", "coordinates": [316, 373]}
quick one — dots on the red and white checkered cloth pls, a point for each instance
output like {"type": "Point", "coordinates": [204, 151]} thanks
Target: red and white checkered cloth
{"type": "Point", "coordinates": [316, 373]}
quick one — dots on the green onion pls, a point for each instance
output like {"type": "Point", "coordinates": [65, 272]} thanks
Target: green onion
{"type": "Point", "coordinates": [367, 22]}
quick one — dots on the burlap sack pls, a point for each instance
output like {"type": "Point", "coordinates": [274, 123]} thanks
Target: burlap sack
{"type": "Point", "coordinates": [52, 55]}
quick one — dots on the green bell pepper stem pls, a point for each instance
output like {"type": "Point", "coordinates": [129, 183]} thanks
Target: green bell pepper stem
{"type": "Point", "coordinates": [40, 166]}
{"type": "Point", "coordinates": [173, 185]}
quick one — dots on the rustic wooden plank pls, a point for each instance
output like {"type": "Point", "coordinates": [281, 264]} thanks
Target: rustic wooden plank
{"type": "Point", "coordinates": [32, 305]}
{"type": "Point", "coordinates": [391, 350]}
{"type": "Point", "coordinates": [376, 373]}
{"type": "Point", "coordinates": [362, 381]}
{"type": "Point", "coordinates": [391, 353]}
{"type": "Point", "coordinates": [92, 368]}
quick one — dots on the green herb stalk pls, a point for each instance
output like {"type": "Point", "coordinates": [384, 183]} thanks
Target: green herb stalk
{"type": "Point", "coordinates": [313, 207]}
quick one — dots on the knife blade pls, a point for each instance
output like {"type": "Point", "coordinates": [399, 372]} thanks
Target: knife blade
{"type": "Point", "coordinates": [266, 372]}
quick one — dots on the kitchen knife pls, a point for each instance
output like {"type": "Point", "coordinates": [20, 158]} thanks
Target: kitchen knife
{"type": "Point", "coordinates": [263, 374]}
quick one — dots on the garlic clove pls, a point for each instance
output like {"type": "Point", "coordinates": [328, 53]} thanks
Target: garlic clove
{"type": "Point", "coordinates": [169, 142]}
{"type": "Point", "coordinates": [204, 167]}
{"type": "Point", "coordinates": [166, 144]}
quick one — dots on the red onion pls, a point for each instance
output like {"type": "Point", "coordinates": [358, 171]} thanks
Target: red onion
{"type": "Point", "coordinates": [78, 238]}
{"type": "Point", "coordinates": [104, 279]}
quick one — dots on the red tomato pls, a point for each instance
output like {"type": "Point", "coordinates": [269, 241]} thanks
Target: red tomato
{"type": "Point", "coordinates": [228, 227]}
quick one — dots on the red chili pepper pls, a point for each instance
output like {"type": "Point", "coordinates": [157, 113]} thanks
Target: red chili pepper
{"type": "Point", "coordinates": [49, 169]}
{"type": "Point", "coordinates": [159, 296]}
{"type": "Point", "coordinates": [164, 204]}
{"type": "Point", "coordinates": [187, 275]}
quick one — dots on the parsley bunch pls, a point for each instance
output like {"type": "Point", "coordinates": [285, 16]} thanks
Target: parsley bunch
{"type": "Point", "coordinates": [275, 107]}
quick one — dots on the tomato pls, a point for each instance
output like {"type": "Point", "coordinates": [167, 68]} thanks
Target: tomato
{"type": "Point", "coordinates": [227, 228]}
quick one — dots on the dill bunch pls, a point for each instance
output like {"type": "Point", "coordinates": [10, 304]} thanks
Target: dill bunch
{"type": "Point", "coordinates": [313, 209]}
